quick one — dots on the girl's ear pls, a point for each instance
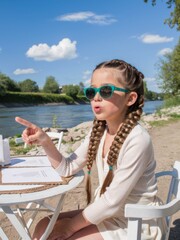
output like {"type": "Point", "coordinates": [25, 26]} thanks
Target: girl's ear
{"type": "Point", "coordinates": [132, 97]}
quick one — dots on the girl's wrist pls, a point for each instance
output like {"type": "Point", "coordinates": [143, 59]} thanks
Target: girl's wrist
{"type": "Point", "coordinates": [46, 142]}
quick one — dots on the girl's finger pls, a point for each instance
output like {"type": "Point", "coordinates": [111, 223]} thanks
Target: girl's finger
{"type": "Point", "coordinates": [25, 122]}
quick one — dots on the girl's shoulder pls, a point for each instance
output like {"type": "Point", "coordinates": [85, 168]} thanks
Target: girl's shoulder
{"type": "Point", "coordinates": [139, 135]}
{"type": "Point", "coordinates": [139, 130]}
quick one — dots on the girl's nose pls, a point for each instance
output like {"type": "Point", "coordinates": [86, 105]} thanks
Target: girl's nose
{"type": "Point", "coordinates": [97, 97]}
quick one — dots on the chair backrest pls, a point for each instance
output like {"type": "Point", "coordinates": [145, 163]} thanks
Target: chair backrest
{"type": "Point", "coordinates": [58, 136]}
{"type": "Point", "coordinates": [174, 187]}
{"type": "Point", "coordinates": [52, 135]}
{"type": "Point", "coordinates": [135, 213]}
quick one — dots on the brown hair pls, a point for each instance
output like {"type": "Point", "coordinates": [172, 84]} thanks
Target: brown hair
{"type": "Point", "coordinates": [132, 80]}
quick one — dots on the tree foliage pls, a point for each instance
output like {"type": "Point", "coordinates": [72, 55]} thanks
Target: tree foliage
{"type": "Point", "coordinates": [28, 85]}
{"type": "Point", "coordinates": [51, 85]}
{"type": "Point", "coordinates": [2, 90]}
{"type": "Point", "coordinates": [150, 95]}
{"type": "Point", "coordinates": [71, 90]}
{"type": "Point", "coordinates": [8, 84]}
{"type": "Point", "coordinates": [145, 88]}
{"type": "Point", "coordinates": [174, 19]}
{"type": "Point", "coordinates": [81, 86]}
{"type": "Point", "coordinates": [169, 71]}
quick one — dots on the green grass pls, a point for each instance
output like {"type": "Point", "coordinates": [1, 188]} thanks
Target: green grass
{"type": "Point", "coordinates": [175, 116]}
{"type": "Point", "coordinates": [173, 101]}
{"type": "Point", "coordinates": [160, 123]}
{"type": "Point", "coordinates": [18, 149]}
{"type": "Point", "coordinates": [169, 103]}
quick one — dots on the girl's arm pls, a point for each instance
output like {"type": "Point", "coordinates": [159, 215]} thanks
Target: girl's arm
{"type": "Point", "coordinates": [35, 135]}
{"type": "Point", "coordinates": [65, 167]}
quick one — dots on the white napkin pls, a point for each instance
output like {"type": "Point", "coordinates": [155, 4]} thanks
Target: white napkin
{"type": "Point", "coordinates": [4, 151]}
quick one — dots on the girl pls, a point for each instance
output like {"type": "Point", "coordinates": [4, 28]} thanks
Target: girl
{"type": "Point", "coordinates": [123, 153]}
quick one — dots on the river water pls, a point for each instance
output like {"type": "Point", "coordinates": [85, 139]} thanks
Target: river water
{"type": "Point", "coordinates": [66, 116]}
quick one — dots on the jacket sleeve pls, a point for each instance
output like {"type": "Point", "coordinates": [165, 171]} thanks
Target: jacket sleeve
{"type": "Point", "coordinates": [76, 161]}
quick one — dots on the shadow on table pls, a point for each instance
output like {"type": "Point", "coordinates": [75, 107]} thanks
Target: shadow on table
{"type": "Point", "coordinates": [175, 230]}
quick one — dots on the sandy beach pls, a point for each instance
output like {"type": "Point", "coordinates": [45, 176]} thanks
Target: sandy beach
{"type": "Point", "coordinates": [166, 146]}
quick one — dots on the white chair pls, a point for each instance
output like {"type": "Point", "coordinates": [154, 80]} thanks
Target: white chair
{"type": "Point", "coordinates": [56, 135]}
{"type": "Point", "coordinates": [52, 135]}
{"type": "Point", "coordinates": [38, 204]}
{"type": "Point", "coordinates": [135, 213]}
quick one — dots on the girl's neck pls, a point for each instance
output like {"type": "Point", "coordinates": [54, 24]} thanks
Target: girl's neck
{"type": "Point", "coordinates": [113, 128]}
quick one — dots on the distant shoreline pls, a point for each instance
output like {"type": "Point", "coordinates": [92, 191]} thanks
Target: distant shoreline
{"type": "Point", "coordinates": [15, 105]}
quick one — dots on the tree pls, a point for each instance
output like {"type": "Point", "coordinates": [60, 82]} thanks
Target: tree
{"type": "Point", "coordinates": [51, 85]}
{"type": "Point", "coordinates": [28, 85]}
{"type": "Point", "coordinates": [8, 84]}
{"type": "Point", "coordinates": [2, 90]}
{"type": "Point", "coordinates": [71, 90]}
{"type": "Point", "coordinates": [81, 85]}
{"type": "Point", "coordinates": [174, 18]}
{"type": "Point", "coordinates": [145, 89]}
{"type": "Point", "coordinates": [169, 71]}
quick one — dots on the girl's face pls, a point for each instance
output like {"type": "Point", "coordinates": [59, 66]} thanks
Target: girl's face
{"type": "Point", "coordinates": [114, 108]}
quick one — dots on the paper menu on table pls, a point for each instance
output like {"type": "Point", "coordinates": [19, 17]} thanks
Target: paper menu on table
{"type": "Point", "coordinates": [30, 175]}
{"type": "Point", "coordinates": [32, 161]}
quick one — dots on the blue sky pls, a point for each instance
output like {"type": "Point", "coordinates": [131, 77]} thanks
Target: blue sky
{"type": "Point", "coordinates": [68, 38]}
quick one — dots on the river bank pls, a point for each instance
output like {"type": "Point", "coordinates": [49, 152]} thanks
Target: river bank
{"type": "Point", "coordinates": [16, 105]}
{"type": "Point", "coordinates": [19, 105]}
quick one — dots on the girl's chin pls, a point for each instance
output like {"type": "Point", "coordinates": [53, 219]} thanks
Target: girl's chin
{"type": "Point", "coordinates": [98, 117]}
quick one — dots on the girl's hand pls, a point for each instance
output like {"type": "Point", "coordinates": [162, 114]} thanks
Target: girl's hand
{"type": "Point", "coordinates": [32, 134]}
{"type": "Point", "coordinates": [62, 230]}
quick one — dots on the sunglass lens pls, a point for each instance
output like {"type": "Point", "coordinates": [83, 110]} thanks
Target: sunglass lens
{"type": "Point", "coordinates": [90, 93]}
{"type": "Point", "coordinates": [106, 91]}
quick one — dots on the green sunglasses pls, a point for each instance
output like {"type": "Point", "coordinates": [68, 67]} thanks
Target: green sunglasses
{"type": "Point", "coordinates": [105, 91]}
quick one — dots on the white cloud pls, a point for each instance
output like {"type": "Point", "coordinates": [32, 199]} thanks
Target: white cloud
{"type": "Point", "coordinates": [88, 17]}
{"type": "Point", "coordinates": [150, 38]}
{"type": "Point", "coordinates": [65, 49]}
{"type": "Point", "coordinates": [19, 71]}
{"type": "Point", "coordinates": [164, 51]}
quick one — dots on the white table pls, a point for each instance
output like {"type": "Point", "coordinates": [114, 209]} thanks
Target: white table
{"type": "Point", "coordinates": [8, 201]}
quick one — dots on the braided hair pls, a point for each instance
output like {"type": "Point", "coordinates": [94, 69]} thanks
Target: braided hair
{"type": "Point", "coordinates": [132, 80]}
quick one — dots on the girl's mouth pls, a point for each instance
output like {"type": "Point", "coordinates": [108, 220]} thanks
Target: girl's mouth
{"type": "Point", "coordinates": [97, 109]}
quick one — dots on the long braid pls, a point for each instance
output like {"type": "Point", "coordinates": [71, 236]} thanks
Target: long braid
{"type": "Point", "coordinates": [118, 141]}
{"type": "Point", "coordinates": [132, 80]}
{"type": "Point", "coordinates": [96, 134]}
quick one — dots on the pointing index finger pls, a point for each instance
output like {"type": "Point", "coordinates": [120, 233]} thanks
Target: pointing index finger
{"type": "Point", "coordinates": [25, 123]}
